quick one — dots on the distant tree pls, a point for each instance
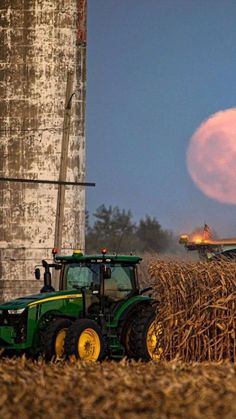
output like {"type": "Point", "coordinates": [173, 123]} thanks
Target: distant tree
{"type": "Point", "coordinates": [152, 237]}
{"type": "Point", "coordinates": [112, 229]}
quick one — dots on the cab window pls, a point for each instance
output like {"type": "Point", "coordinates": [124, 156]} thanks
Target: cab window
{"type": "Point", "coordinates": [121, 282]}
{"type": "Point", "coordinates": [79, 275]}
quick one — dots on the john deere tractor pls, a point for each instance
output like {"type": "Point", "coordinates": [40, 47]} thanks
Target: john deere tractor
{"type": "Point", "coordinates": [98, 312]}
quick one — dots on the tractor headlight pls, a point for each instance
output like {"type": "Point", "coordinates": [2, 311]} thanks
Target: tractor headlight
{"type": "Point", "coordinates": [16, 311]}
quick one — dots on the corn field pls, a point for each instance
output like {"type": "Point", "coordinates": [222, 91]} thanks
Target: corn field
{"type": "Point", "coordinates": [196, 309]}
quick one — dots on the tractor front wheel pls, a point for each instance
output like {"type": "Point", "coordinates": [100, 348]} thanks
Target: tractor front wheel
{"type": "Point", "coordinates": [84, 341]}
{"type": "Point", "coordinates": [53, 338]}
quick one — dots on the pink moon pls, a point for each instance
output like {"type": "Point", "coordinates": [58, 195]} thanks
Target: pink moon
{"type": "Point", "coordinates": [211, 156]}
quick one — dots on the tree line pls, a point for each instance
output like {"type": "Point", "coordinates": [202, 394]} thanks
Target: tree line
{"type": "Point", "coordinates": [114, 229]}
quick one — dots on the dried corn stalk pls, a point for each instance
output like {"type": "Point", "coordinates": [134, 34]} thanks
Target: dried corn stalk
{"type": "Point", "coordinates": [197, 308]}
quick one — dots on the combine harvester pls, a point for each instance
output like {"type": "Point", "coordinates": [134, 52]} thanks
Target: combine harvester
{"type": "Point", "coordinates": [207, 247]}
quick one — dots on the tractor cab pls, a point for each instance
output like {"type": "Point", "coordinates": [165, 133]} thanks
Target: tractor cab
{"type": "Point", "coordinates": [104, 279]}
{"type": "Point", "coordinates": [114, 279]}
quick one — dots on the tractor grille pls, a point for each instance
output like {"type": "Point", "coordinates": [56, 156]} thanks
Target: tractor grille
{"type": "Point", "coordinates": [18, 321]}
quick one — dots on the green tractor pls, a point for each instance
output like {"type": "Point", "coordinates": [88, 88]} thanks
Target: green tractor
{"type": "Point", "coordinates": [99, 312]}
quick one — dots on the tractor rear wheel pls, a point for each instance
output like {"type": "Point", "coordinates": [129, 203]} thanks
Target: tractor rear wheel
{"type": "Point", "coordinates": [53, 338]}
{"type": "Point", "coordinates": [144, 335]}
{"type": "Point", "coordinates": [84, 341]}
{"type": "Point", "coordinates": [125, 328]}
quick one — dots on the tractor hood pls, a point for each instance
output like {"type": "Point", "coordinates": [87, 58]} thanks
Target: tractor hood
{"type": "Point", "coordinates": [23, 302]}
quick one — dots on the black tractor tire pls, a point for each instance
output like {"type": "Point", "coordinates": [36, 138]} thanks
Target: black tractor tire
{"type": "Point", "coordinates": [124, 332]}
{"type": "Point", "coordinates": [84, 341]}
{"type": "Point", "coordinates": [53, 338]}
{"type": "Point", "coordinates": [142, 332]}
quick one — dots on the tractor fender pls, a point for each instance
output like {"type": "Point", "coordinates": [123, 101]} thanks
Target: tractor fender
{"type": "Point", "coordinates": [135, 306]}
{"type": "Point", "coordinates": [65, 316]}
{"type": "Point", "coordinates": [49, 316]}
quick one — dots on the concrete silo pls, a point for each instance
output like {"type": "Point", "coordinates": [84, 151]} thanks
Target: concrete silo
{"type": "Point", "coordinates": [42, 44]}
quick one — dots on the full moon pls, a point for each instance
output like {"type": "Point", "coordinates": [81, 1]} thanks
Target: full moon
{"type": "Point", "coordinates": [211, 156]}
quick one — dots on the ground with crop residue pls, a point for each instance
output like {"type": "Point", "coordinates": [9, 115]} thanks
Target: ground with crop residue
{"type": "Point", "coordinates": [116, 390]}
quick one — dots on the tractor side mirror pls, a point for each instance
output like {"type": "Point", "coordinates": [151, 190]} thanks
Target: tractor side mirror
{"type": "Point", "coordinates": [37, 273]}
{"type": "Point", "coordinates": [106, 272]}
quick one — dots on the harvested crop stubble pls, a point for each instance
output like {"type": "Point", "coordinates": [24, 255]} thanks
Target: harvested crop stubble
{"type": "Point", "coordinates": [197, 308]}
{"type": "Point", "coordinates": [116, 390]}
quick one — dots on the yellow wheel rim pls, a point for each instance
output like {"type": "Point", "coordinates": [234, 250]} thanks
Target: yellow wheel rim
{"type": "Point", "coordinates": [59, 343]}
{"type": "Point", "coordinates": [89, 345]}
{"type": "Point", "coordinates": [153, 340]}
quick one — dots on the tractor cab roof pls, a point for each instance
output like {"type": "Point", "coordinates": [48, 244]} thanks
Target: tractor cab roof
{"type": "Point", "coordinates": [78, 256]}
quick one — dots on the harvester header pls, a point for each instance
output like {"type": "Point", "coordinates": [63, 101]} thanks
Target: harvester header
{"type": "Point", "coordinates": [207, 247]}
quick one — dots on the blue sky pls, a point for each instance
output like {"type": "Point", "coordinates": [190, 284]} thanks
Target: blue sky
{"type": "Point", "coordinates": [156, 69]}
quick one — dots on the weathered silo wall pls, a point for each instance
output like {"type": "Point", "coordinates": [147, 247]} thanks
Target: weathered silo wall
{"type": "Point", "coordinates": [41, 42]}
